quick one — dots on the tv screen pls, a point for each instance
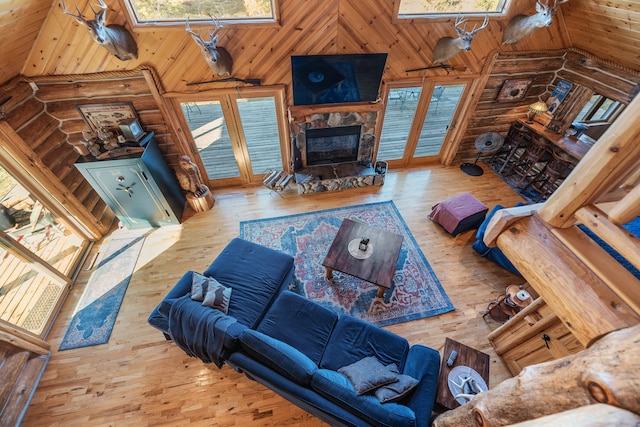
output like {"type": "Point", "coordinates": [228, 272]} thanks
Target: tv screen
{"type": "Point", "coordinates": [336, 79]}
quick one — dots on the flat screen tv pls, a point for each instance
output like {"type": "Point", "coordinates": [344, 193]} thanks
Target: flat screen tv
{"type": "Point", "coordinates": [336, 79]}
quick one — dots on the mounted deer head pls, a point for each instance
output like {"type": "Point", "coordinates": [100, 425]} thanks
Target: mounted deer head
{"type": "Point", "coordinates": [521, 26]}
{"type": "Point", "coordinates": [217, 57]}
{"type": "Point", "coordinates": [448, 47]}
{"type": "Point", "coordinates": [113, 37]}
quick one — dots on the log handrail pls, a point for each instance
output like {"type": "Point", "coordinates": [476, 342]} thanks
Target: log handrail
{"type": "Point", "coordinates": [609, 164]}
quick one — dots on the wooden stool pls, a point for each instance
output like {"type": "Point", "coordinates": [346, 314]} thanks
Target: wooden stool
{"type": "Point", "coordinates": [517, 141]}
{"type": "Point", "coordinates": [558, 168]}
{"type": "Point", "coordinates": [532, 161]}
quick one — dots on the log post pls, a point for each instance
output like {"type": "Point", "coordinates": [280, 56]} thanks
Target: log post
{"type": "Point", "coordinates": [607, 372]}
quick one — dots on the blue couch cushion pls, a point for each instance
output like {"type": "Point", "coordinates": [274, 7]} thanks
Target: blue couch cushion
{"type": "Point", "coordinates": [494, 254]}
{"type": "Point", "coordinates": [367, 374]}
{"type": "Point", "coordinates": [299, 322]}
{"type": "Point", "coordinates": [255, 273]}
{"type": "Point", "coordinates": [354, 339]}
{"type": "Point", "coordinates": [278, 356]}
{"type": "Point", "coordinates": [423, 364]}
{"type": "Point", "coordinates": [337, 388]}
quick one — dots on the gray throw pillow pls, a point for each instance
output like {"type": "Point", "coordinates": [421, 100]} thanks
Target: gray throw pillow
{"type": "Point", "coordinates": [198, 283]}
{"type": "Point", "coordinates": [396, 390]}
{"type": "Point", "coordinates": [216, 295]}
{"type": "Point", "coordinates": [367, 374]}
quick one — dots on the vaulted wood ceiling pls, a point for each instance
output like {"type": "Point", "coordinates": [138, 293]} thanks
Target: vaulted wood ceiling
{"type": "Point", "coordinates": [36, 38]}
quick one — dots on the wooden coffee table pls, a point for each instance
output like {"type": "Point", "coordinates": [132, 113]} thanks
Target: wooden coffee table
{"type": "Point", "coordinates": [376, 265]}
{"type": "Point", "coordinates": [467, 356]}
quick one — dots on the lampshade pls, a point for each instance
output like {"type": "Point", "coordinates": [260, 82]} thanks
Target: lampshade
{"type": "Point", "coordinates": [538, 107]}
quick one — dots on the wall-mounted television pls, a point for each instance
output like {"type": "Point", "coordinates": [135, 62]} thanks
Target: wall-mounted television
{"type": "Point", "coordinates": [336, 79]}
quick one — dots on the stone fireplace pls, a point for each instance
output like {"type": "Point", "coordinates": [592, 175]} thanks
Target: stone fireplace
{"type": "Point", "coordinates": [334, 150]}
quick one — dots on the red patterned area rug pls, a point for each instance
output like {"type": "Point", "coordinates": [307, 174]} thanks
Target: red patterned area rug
{"type": "Point", "coordinates": [416, 291]}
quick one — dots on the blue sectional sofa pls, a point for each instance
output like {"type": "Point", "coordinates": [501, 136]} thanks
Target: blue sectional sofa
{"type": "Point", "coordinates": [256, 275]}
{"type": "Point", "coordinates": [307, 353]}
{"type": "Point", "coordinates": [299, 347]}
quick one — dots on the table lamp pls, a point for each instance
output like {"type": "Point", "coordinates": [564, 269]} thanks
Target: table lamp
{"type": "Point", "coordinates": [538, 107]}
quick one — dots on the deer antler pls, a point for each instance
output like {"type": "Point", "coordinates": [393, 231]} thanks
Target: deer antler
{"type": "Point", "coordinates": [212, 33]}
{"type": "Point", "coordinates": [217, 28]}
{"type": "Point", "coordinates": [484, 24]}
{"type": "Point", "coordinates": [556, 4]}
{"type": "Point", "coordinates": [197, 37]}
{"type": "Point", "coordinates": [101, 14]}
{"type": "Point", "coordinates": [460, 21]}
{"type": "Point", "coordinates": [79, 16]}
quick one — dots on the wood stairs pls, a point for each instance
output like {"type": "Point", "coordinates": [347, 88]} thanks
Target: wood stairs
{"type": "Point", "coordinates": [23, 358]}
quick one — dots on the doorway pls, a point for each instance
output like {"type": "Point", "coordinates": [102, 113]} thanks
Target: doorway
{"type": "Point", "coordinates": [239, 136]}
{"type": "Point", "coordinates": [417, 121]}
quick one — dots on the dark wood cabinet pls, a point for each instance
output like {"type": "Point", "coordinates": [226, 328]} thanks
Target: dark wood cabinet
{"type": "Point", "coordinates": [140, 188]}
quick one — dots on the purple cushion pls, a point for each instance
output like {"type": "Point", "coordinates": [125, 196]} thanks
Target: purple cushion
{"type": "Point", "coordinates": [458, 210]}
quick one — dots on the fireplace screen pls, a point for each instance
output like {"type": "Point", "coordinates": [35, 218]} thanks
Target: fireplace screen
{"type": "Point", "coordinates": [332, 145]}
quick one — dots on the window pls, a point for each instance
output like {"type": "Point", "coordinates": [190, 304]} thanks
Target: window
{"type": "Point", "coordinates": [177, 11]}
{"type": "Point", "coordinates": [413, 8]}
{"type": "Point", "coordinates": [599, 109]}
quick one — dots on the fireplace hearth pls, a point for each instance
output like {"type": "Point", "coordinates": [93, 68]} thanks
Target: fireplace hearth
{"type": "Point", "coordinates": [334, 151]}
{"type": "Point", "coordinates": [332, 145]}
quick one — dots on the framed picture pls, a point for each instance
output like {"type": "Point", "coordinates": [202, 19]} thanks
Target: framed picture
{"type": "Point", "coordinates": [106, 115]}
{"type": "Point", "coordinates": [514, 90]}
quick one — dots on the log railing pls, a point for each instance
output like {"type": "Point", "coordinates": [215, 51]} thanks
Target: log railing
{"type": "Point", "coordinates": [588, 290]}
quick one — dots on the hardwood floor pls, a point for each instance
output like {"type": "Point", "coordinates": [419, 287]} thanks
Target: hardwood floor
{"type": "Point", "coordinates": [139, 379]}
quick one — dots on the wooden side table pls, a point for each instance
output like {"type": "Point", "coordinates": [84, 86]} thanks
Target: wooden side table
{"type": "Point", "coordinates": [467, 356]}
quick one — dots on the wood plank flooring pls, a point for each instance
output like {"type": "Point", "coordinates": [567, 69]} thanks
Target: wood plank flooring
{"type": "Point", "coordinates": [139, 379]}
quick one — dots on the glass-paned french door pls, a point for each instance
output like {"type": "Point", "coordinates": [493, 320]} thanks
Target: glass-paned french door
{"type": "Point", "coordinates": [39, 253]}
{"type": "Point", "coordinates": [238, 138]}
{"type": "Point", "coordinates": [417, 121]}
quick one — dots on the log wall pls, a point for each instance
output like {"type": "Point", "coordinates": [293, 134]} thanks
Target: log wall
{"type": "Point", "coordinates": [43, 113]}
{"type": "Point", "coordinates": [38, 136]}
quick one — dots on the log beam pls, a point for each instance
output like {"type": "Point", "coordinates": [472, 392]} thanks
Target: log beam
{"type": "Point", "coordinates": [615, 158]}
{"type": "Point", "coordinates": [586, 416]}
{"type": "Point", "coordinates": [565, 282]}
{"type": "Point", "coordinates": [604, 373]}
{"type": "Point", "coordinates": [503, 219]}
